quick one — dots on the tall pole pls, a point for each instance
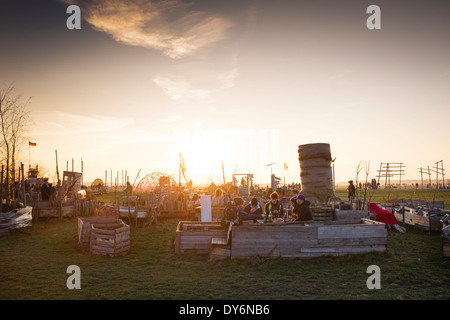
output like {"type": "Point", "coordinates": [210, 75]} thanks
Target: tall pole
{"type": "Point", "coordinates": [57, 171]}
{"type": "Point", "coordinates": [179, 173]}
{"type": "Point", "coordinates": [23, 186]}
{"type": "Point", "coordinates": [429, 176]}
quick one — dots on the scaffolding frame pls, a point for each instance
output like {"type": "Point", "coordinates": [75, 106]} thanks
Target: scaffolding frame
{"type": "Point", "coordinates": [390, 170]}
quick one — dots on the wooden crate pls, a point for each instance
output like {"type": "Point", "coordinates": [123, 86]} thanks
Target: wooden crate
{"type": "Point", "coordinates": [322, 214]}
{"type": "Point", "coordinates": [298, 240]}
{"type": "Point", "coordinates": [446, 242]}
{"type": "Point", "coordinates": [85, 227]}
{"type": "Point", "coordinates": [349, 216]}
{"type": "Point", "coordinates": [430, 223]}
{"type": "Point", "coordinates": [110, 239]}
{"type": "Point", "coordinates": [194, 235]}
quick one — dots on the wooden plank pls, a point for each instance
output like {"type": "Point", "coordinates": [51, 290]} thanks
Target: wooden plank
{"type": "Point", "coordinates": [341, 242]}
{"type": "Point", "coordinates": [122, 229]}
{"type": "Point", "coordinates": [103, 237]}
{"type": "Point", "coordinates": [121, 245]}
{"type": "Point", "coordinates": [99, 244]}
{"type": "Point", "coordinates": [102, 231]}
{"type": "Point", "coordinates": [102, 250]}
{"type": "Point", "coordinates": [321, 250]}
{"type": "Point", "coordinates": [219, 241]}
{"type": "Point", "coordinates": [351, 231]}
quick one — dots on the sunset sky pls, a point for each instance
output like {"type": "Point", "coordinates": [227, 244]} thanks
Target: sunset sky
{"type": "Point", "coordinates": [243, 82]}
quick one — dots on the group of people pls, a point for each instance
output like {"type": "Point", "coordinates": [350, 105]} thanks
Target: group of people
{"type": "Point", "coordinates": [47, 191]}
{"type": "Point", "coordinates": [236, 211]}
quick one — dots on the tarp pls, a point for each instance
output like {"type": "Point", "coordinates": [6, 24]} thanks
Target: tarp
{"type": "Point", "coordinates": [383, 215]}
{"type": "Point", "coordinates": [17, 218]}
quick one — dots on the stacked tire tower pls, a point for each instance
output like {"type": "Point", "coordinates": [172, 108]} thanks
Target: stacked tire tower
{"type": "Point", "coordinates": [315, 172]}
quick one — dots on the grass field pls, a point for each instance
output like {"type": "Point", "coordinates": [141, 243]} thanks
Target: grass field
{"type": "Point", "coordinates": [383, 196]}
{"type": "Point", "coordinates": [34, 261]}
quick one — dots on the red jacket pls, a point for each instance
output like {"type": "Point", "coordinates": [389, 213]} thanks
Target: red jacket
{"type": "Point", "coordinates": [383, 215]}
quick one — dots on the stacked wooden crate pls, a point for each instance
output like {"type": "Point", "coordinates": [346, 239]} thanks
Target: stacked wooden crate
{"type": "Point", "coordinates": [111, 239]}
{"type": "Point", "coordinates": [446, 242]}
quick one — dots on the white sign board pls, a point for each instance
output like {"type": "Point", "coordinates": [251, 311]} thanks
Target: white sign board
{"type": "Point", "coordinates": [206, 209]}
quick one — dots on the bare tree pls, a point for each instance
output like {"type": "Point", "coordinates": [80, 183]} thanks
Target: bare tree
{"type": "Point", "coordinates": [14, 122]}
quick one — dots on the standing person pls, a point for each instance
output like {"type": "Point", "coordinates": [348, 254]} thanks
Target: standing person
{"type": "Point", "coordinates": [129, 190]}
{"type": "Point", "coordinates": [351, 190]}
{"type": "Point", "coordinates": [274, 208]}
{"type": "Point", "coordinates": [44, 191]}
{"type": "Point", "coordinates": [302, 209]}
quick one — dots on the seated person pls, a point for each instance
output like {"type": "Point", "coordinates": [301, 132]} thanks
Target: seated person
{"type": "Point", "coordinates": [293, 211]}
{"type": "Point", "coordinates": [244, 215]}
{"type": "Point", "coordinates": [302, 209]}
{"type": "Point", "coordinates": [253, 207]}
{"type": "Point", "coordinates": [274, 208]}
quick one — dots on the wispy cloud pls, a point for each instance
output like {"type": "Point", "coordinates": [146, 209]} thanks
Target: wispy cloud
{"type": "Point", "coordinates": [181, 90]}
{"type": "Point", "coordinates": [172, 27]}
{"type": "Point", "coordinates": [74, 124]}
{"type": "Point", "coordinates": [342, 77]}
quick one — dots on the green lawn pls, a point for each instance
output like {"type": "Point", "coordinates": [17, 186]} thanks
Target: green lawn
{"type": "Point", "coordinates": [383, 196]}
{"type": "Point", "coordinates": [33, 265]}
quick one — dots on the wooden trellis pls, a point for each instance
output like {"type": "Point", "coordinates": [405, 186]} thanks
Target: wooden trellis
{"type": "Point", "coordinates": [390, 170]}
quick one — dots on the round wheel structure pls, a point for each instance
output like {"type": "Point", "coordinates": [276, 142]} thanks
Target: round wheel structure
{"type": "Point", "coordinates": [153, 180]}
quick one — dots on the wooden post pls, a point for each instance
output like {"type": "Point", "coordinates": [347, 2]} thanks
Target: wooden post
{"type": "Point", "coordinates": [57, 171]}
{"type": "Point", "coordinates": [1, 192]}
{"type": "Point", "coordinates": [23, 186]}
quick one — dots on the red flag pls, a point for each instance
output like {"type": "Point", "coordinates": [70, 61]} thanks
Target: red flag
{"type": "Point", "coordinates": [33, 144]}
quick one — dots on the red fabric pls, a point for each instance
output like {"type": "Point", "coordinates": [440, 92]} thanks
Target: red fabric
{"type": "Point", "coordinates": [383, 215]}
